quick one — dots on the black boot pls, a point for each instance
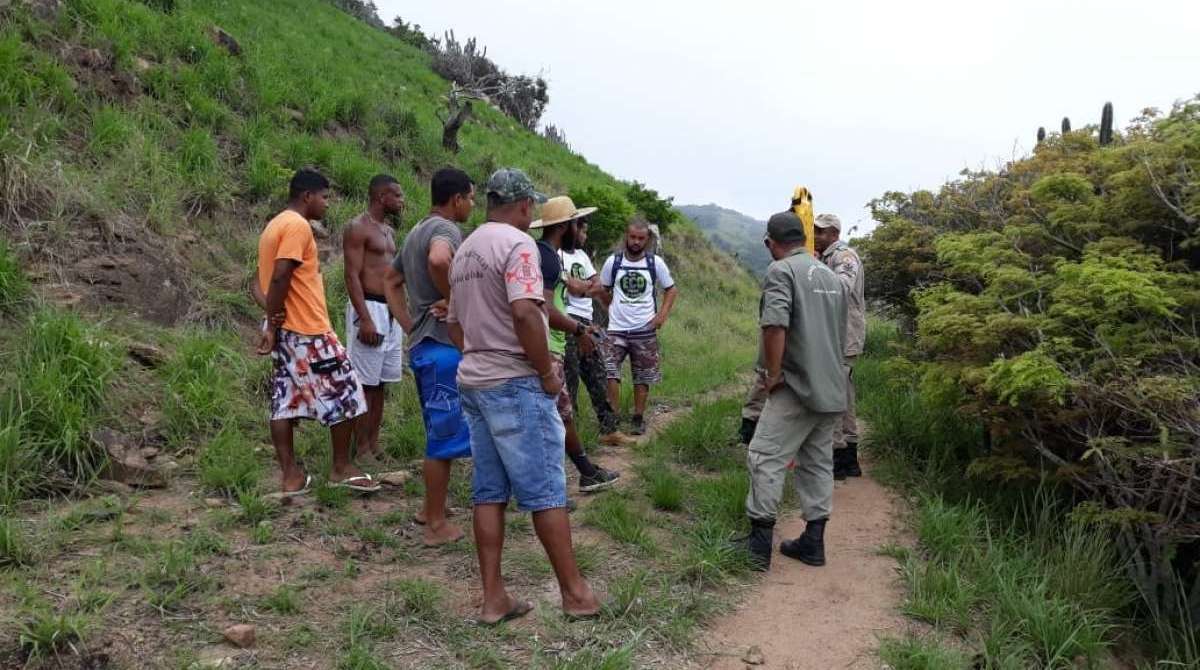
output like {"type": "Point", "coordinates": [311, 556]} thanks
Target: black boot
{"type": "Point", "coordinates": [759, 543]}
{"type": "Point", "coordinates": [839, 463]}
{"type": "Point", "coordinates": [810, 547]}
{"type": "Point", "coordinates": [746, 432]}
{"type": "Point", "coordinates": [851, 465]}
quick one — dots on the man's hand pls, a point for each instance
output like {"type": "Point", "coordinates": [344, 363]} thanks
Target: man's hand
{"type": "Point", "coordinates": [587, 343]}
{"type": "Point", "coordinates": [439, 309]}
{"type": "Point", "coordinates": [773, 381]}
{"type": "Point", "coordinates": [551, 384]}
{"type": "Point", "coordinates": [659, 321]}
{"type": "Point", "coordinates": [367, 333]}
{"type": "Point", "coordinates": [276, 320]}
{"type": "Point", "coordinates": [266, 342]}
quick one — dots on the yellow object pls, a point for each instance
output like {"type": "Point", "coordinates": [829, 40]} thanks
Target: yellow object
{"type": "Point", "coordinates": [802, 206]}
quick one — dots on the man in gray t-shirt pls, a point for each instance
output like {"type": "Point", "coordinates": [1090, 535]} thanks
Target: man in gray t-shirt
{"type": "Point", "coordinates": [803, 318]}
{"type": "Point", "coordinates": [417, 289]}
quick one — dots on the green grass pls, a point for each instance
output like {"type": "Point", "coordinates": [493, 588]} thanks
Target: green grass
{"type": "Point", "coordinates": [63, 369]}
{"type": "Point", "coordinates": [44, 633]}
{"type": "Point", "coordinates": [14, 544]}
{"type": "Point", "coordinates": [204, 388]}
{"type": "Point", "coordinates": [625, 523]}
{"type": "Point", "coordinates": [663, 486]}
{"type": "Point", "coordinates": [228, 464]}
{"type": "Point", "coordinates": [707, 436]}
{"type": "Point", "coordinates": [172, 576]}
{"type": "Point", "coordinates": [284, 600]}
{"type": "Point", "coordinates": [916, 653]}
{"type": "Point", "coordinates": [14, 287]}
{"type": "Point", "coordinates": [416, 598]}
{"type": "Point", "coordinates": [1004, 569]}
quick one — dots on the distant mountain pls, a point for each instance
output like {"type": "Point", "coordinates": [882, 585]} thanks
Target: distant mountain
{"type": "Point", "coordinates": [732, 232]}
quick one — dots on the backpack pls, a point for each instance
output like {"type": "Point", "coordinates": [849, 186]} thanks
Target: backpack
{"type": "Point", "coordinates": [651, 267]}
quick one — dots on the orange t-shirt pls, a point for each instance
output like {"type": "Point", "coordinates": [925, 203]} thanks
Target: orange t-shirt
{"type": "Point", "coordinates": [289, 236]}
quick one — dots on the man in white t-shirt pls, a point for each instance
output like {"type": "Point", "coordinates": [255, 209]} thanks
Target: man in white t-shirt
{"type": "Point", "coordinates": [583, 284]}
{"type": "Point", "coordinates": [631, 278]}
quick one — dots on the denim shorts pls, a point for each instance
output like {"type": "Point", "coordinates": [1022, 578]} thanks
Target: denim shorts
{"type": "Point", "coordinates": [434, 367]}
{"type": "Point", "coordinates": [517, 444]}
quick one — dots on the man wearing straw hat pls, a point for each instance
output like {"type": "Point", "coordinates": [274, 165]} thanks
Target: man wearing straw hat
{"type": "Point", "coordinates": [559, 226]}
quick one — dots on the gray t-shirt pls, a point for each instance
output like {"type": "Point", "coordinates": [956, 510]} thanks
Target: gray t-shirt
{"type": "Point", "coordinates": [413, 261]}
{"type": "Point", "coordinates": [804, 296]}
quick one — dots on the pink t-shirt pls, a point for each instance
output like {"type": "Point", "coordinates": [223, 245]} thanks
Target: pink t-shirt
{"type": "Point", "coordinates": [495, 266]}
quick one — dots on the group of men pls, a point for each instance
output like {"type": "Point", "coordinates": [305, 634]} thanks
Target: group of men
{"type": "Point", "coordinates": [800, 410]}
{"type": "Point", "coordinates": [499, 331]}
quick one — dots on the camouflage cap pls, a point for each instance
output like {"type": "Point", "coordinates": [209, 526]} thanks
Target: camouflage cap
{"type": "Point", "coordinates": [511, 185]}
{"type": "Point", "coordinates": [828, 221]}
{"type": "Point", "coordinates": [785, 227]}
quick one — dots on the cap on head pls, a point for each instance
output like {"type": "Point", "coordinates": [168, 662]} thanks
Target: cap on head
{"type": "Point", "coordinates": [828, 221]}
{"type": "Point", "coordinates": [558, 210]}
{"type": "Point", "coordinates": [508, 185]}
{"type": "Point", "coordinates": [785, 227]}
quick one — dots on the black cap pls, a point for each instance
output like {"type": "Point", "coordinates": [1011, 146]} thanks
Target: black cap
{"type": "Point", "coordinates": [785, 227]}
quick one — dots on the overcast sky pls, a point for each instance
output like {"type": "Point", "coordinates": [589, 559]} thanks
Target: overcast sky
{"type": "Point", "coordinates": [736, 102]}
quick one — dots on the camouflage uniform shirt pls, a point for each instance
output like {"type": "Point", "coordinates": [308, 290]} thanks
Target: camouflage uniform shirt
{"type": "Point", "coordinates": [846, 264]}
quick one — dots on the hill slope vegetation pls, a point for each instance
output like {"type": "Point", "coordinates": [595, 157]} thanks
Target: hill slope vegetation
{"type": "Point", "coordinates": [143, 145]}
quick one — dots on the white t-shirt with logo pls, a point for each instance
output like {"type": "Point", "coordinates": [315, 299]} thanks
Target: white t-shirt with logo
{"type": "Point", "coordinates": [577, 265]}
{"type": "Point", "coordinates": [633, 297]}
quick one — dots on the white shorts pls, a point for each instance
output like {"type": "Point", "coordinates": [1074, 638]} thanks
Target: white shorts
{"type": "Point", "coordinates": [376, 365]}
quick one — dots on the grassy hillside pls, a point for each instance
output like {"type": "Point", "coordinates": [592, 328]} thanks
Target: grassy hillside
{"type": "Point", "coordinates": [139, 159]}
{"type": "Point", "coordinates": [732, 232]}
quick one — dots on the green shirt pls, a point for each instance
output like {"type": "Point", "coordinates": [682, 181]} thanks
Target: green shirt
{"type": "Point", "coordinates": [802, 295]}
{"type": "Point", "coordinates": [552, 276]}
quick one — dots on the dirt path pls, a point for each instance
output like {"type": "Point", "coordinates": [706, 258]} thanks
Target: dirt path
{"type": "Point", "coordinates": [802, 618]}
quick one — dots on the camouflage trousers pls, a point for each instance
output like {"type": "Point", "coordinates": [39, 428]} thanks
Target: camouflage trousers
{"type": "Point", "coordinates": [592, 370]}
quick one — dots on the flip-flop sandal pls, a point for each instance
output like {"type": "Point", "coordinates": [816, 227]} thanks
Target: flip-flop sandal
{"type": "Point", "coordinates": [518, 610]}
{"type": "Point", "coordinates": [302, 491]}
{"type": "Point", "coordinates": [370, 487]}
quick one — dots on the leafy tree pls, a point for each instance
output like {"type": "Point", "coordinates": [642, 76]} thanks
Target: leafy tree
{"type": "Point", "coordinates": [657, 210]}
{"type": "Point", "coordinates": [1060, 293]}
{"type": "Point", "coordinates": [607, 226]}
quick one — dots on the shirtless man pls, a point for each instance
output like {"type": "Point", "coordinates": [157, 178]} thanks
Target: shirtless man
{"type": "Point", "coordinates": [375, 340]}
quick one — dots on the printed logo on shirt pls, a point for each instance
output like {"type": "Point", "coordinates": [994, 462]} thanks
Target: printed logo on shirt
{"type": "Point", "coordinates": [633, 284]}
{"type": "Point", "coordinates": [577, 270]}
{"type": "Point", "coordinates": [525, 274]}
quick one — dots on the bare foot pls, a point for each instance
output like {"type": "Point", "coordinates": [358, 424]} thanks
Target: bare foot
{"type": "Point", "coordinates": [582, 605]}
{"type": "Point", "coordinates": [441, 533]}
{"type": "Point", "coordinates": [510, 608]}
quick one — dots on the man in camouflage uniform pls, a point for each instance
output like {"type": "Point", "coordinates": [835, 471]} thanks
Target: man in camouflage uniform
{"type": "Point", "coordinates": [846, 264]}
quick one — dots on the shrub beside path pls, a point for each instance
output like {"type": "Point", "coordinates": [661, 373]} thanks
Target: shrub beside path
{"type": "Point", "coordinates": [799, 617]}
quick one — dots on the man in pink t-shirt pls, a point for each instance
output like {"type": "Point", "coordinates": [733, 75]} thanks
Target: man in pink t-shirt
{"type": "Point", "coordinates": [508, 388]}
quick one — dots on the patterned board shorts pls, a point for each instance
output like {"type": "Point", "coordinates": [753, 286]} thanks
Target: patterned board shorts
{"type": "Point", "coordinates": [566, 409]}
{"type": "Point", "coordinates": [641, 346]}
{"type": "Point", "coordinates": [313, 379]}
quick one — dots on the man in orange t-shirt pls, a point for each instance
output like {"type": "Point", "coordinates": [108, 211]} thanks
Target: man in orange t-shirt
{"type": "Point", "coordinates": [312, 376]}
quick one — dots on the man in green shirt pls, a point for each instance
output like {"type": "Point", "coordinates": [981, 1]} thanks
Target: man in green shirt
{"type": "Point", "coordinates": [803, 318]}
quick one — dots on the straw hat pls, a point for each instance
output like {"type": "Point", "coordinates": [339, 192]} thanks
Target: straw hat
{"type": "Point", "coordinates": [559, 210]}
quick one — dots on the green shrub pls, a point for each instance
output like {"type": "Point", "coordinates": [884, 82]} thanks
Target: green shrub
{"type": "Point", "coordinates": [607, 226]}
{"type": "Point", "coordinates": [45, 633]}
{"type": "Point", "coordinates": [663, 485]}
{"type": "Point", "coordinates": [14, 544]}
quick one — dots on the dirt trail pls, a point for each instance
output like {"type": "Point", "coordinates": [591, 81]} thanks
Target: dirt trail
{"type": "Point", "coordinates": [803, 618]}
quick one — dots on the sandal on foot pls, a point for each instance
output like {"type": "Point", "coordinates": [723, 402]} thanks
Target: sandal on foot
{"type": "Point", "coordinates": [302, 491]}
{"type": "Point", "coordinates": [360, 483]}
{"type": "Point", "coordinates": [519, 609]}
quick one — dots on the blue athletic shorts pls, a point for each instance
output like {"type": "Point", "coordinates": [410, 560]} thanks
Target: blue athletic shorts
{"type": "Point", "coordinates": [517, 443]}
{"type": "Point", "coordinates": [435, 369]}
